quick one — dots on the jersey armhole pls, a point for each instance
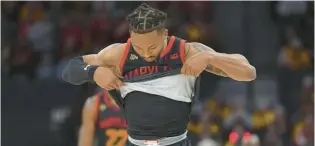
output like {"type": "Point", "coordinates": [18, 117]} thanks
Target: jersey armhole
{"type": "Point", "coordinates": [107, 100]}
{"type": "Point", "coordinates": [182, 50]}
{"type": "Point", "coordinates": [97, 105]}
{"type": "Point", "coordinates": [168, 46]}
{"type": "Point", "coordinates": [123, 59]}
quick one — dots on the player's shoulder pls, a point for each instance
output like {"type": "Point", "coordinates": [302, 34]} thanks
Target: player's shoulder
{"type": "Point", "coordinates": [91, 103]}
{"type": "Point", "coordinates": [192, 48]}
{"type": "Point", "coordinates": [189, 49]}
{"type": "Point", "coordinates": [113, 51]}
{"type": "Point", "coordinates": [90, 107]}
{"type": "Point", "coordinates": [116, 46]}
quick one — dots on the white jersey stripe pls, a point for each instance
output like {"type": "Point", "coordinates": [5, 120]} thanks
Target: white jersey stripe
{"type": "Point", "coordinates": [176, 87]}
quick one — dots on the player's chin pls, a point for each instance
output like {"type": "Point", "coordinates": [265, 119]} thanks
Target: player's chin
{"type": "Point", "coordinates": [150, 59]}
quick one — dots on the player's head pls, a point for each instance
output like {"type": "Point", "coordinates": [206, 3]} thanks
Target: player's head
{"type": "Point", "coordinates": [147, 31]}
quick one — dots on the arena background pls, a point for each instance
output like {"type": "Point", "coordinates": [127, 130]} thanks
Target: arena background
{"type": "Point", "coordinates": [38, 38]}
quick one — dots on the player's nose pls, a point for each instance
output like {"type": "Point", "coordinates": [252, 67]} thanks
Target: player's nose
{"type": "Point", "coordinates": [146, 54]}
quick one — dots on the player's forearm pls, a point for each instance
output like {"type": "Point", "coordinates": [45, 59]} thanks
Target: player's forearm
{"type": "Point", "coordinates": [84, 141]}
{"type": "Point", "coordinates": [91, 59]}
{"type": "Point", "coordinates": [235, 66]}
{"type": "Point", "coordinates": [86, 138]}
{"type": "Point", "coordinates": [80, 70]}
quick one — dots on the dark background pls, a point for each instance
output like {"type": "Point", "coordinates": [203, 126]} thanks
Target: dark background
{"type": "Point", "coordinates": [38, 38]}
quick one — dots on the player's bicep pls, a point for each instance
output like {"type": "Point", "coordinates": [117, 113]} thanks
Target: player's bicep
{"type": "Point", "coordinates": [193, 48]}
{"type": "Point", "coordinates": [87, 129]}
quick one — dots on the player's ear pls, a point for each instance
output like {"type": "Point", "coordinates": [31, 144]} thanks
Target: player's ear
{"type": "Point", "coordinates": [130, 32]}
{"type": "Point", "coordinates": [165, 33]}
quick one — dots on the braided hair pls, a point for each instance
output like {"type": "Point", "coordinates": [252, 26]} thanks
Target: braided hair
{"type": "Point", "coordinates": [145, 19]}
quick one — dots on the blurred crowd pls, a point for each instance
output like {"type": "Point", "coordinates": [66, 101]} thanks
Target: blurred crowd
{"type": "Point", "coordinates": [41, 36]}
{"type": "Point", "coordinates": [38, 38]}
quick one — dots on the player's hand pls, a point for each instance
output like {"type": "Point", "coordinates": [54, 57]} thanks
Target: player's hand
{"type": "Point", "coordinates": [194, 65]}
{"type": "Point", "coordinates": [107, 78]}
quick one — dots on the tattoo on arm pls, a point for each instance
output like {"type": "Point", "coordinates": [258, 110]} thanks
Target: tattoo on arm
{"type": "Point", "coordinates": [187, 49]}
{"type": "Point", "coordinates": [216, 71]}
{"type": "Point", "coordinates": [193, 48]}
{"type": "Point", "coordinates": [201, 47]}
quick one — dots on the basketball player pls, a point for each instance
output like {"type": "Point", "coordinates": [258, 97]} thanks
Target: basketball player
{"type": "Point", "coordinates": [157, 110]}
{"type": "Point", "coordinates": [102, 122]}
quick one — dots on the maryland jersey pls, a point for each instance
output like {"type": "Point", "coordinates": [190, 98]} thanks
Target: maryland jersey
{"type": "Point", "coordinates": [159, 107]}
{"type": "Point", "coordinates": [110, 125]}
{"type": "Point", "coordinates": [176, 87]}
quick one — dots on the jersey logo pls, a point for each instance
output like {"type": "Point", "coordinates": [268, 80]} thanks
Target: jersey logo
{"type": "Point", "coordinates": [133, 57]}
{"type": "Point", "coordinates": [152, 143]}
{"type": "Point", "coordinates": [103, 107]}
{"type": "Point", "coordinates": [174, 56]}
{"type": "Point", "coordinates": [86, 67]}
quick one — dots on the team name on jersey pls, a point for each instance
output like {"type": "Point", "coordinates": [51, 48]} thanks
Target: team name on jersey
{"type": "Point", "coordinates": [146, 70]}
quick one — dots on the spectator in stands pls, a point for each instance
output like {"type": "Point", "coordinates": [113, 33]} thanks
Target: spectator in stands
{"type": "Point", "coordinates": [173, 11]}
{"type": "Point", "coordinates": [41, 36]}
{"type": "Point", "coordinates": [45, 67]}
{"type": "Point", "coordinates": [71, 36]}
{"type": "Point", "coordinates": [252, 141]}
{"type": "Point", "coordinates": [207, 142]}
{"type": "Point", "coordinates": [195, 29]}
{"type": "Point", "coordinates": [56, 11]}
{"type": "Point", "coordinates": [290, 13]}
{"type": "Point", "coordinates": [30, 13]}
{"type": "Point", "coordinates": [238, 135]}
{"type": "Point", "coordinates": [32, 10]}
{"type": "Point", "coordinates": [293, 61]}
{"type": "Point", "coordinates": [238, 113]}
{"type": "Point", "coordinates": [293, 55]}
{"type": "Point", "coordinates": [9, 18]}
{"type": "Point", "coordinates": [100, 27]}
{"type": "Point", "coordinates": [271, 136]}
{"type": "Point", "coordinates": [204, 125]}
{"type": "Point", "coordinates": [23, 60]}
{"type": "Point", "coordinates": [303, 134]}
{"type": "Point", "coordinates": [121, 32]}
{"type": "Point", "coordinates": [70, 39]}
{"type": "Point", "coordinates": [280, 124]}
{"type": "Point", "coordinates": [10, 10]}
{"type": "Point", "coordinates": [308, 88]}
{"type": "Point", "coordinates": [38, 29]}
{"type": "Point", "coordinates": [308, 27]}
{"type": "Point", "coordinates": [5, 54]}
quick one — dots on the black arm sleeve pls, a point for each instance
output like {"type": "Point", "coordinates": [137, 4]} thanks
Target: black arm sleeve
{"type": "Point", "coordinates": [77, 72]}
